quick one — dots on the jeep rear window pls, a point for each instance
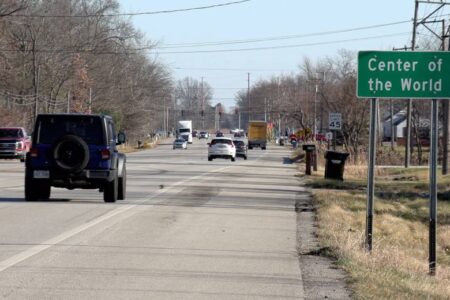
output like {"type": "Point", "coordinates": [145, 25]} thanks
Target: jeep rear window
{"type": "Point", "coordinates": [10, 133]}
{"type": "Point", "coordinates": [52, 128]}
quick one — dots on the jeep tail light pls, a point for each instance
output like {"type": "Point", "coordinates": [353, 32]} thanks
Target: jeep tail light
{"type": "Point", "coordinates": [105, 154]}
{"type": "Point", "coordinates": [34, 152]}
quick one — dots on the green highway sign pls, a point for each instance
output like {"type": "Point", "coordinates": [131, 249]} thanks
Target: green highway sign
{"type": "Point", "coordinates": [394, 74]}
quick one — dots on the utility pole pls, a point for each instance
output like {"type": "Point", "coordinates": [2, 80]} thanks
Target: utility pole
{"type": "Point", "coordinates": [90, 101]}
{"type": "Point", "coordinates": [409, 105]}
{"type": "Point", "coordinates": [392, 126]}
{"type": "Point", "coordinates": [248, 97]}
{"type": "Point", "coordinates": [167, 121]}
{"type": "Point", "coordinates": [36, 93]}
{"type": "Point", "coordinates": [68, 102]}
{"type": "Point", "coordinates": [239, 116]}
{"type": "Point", "coordinates": [445, 105]}
{"type": "Point", "coordinates": [315, 112]}
{"type": "Point", "coordinates": [446, 112]}
{"type": "Point", "coordinates": [203, 106]}
{"type": "Point", "coordinates": [265, 109]}
{"type": "Point", "coordinates": [164, 118]}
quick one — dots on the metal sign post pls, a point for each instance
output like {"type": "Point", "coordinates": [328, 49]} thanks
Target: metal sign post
{"type": "Point", "coordinates": [433, 186]}
{"type": "Point", "coordinates": [420, 75]}
{"type": "Point", "coordinates": [371, 172]}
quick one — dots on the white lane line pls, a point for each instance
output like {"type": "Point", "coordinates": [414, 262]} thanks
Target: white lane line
{"type": "Point", "coordinates": [21, 256]}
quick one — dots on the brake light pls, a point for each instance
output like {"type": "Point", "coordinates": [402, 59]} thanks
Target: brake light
{"type": "Point", "coordinates": [105, 154]}
{"type": "Point", "coordinates": [34, 152]}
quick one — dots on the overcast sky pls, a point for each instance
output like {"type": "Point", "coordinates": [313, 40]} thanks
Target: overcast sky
{"type": "Point", "coordinates": [304, 22]}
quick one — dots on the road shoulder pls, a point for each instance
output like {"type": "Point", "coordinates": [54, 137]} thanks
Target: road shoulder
{"type": "Point", "coordinates": [322, 279]}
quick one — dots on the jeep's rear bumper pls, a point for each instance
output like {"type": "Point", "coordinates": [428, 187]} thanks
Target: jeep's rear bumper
{"type": "Point", "coordinates": [86, 179]}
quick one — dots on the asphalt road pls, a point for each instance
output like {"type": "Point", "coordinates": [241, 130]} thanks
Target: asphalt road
{"type": "Point", "coordinates": [189, 229]}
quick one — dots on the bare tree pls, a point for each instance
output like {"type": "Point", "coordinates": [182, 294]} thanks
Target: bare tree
{"type": "Point", "coordinates": [193, 97]}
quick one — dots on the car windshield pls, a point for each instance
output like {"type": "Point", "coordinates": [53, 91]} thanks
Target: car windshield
{"type": "Point", "coordinates": [184, 130]}
{"type": "Point", "coordinates": [238, 143]}
{"type": "Point", "coordinates": [227, 142]}
{"type": "Point", "coordinates": [52, 128]}
{"type": "Point", "coordinates": [10, 133]}
{"type": "Point", "coordinates": [179, 141]}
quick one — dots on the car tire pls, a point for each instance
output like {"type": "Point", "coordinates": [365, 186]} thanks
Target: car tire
{"type": "Point", "coordinates": [30, 187]}
{"type": "Point", "coordinates": [233, 159]}
{"type": "Point", "coordinates": [36, 189]}
{"type": "Point", "coordinates": [111, 190]}
{"type": "Point", "coordinates": [43, 189]}
{"type": "Point", "coordinates": [121, 193]}
{"type": "Point", "coordinates": [263, 148]}
{"type": "Point", "coordinates": [250, 147]}
{"type": "Point", "coordinates": [173, 148]}
{"type": "Point", "coordinates": [63, 160]}
{"type": "Point", "coordinates": [245, 157]}
{"type": "Point", "coordinates": [210, 158]}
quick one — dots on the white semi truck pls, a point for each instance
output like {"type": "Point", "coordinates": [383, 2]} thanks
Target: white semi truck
{"type": "Point", "coordinates": [184, 130]}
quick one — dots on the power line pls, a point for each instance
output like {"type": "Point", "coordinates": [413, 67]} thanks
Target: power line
{"type": "Point", "coordinates": [276, 38]}
{"type": "Point", "coordinates": [131, 14]}
{"type": "Point", "coordinates": [202, 51]}
{"type": "Point", "coordinates": [232, 69]}
{"type": "Point", "coordinates": [282, 47]}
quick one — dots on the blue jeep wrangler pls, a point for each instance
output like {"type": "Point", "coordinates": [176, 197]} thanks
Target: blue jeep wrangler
{"type": "Point", "coordinates": [75, 151]}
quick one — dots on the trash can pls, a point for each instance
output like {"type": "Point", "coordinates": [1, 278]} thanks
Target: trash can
{"type": "Point", "coordinates": [310, 150]}
{"type": "Point", "coordinates": [334, 166]}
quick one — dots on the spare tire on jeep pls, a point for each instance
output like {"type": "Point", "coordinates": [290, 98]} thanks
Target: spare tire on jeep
{"type": "Point", "coordinates": [70, 153]}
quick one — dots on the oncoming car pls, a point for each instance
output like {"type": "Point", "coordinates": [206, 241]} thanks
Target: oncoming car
{"type": "Point", "coordinates": [180, 143]}
{"type": "Point", "coordinates": [221, 147]}
{"type": "Point", "coordinates": [203, 135]}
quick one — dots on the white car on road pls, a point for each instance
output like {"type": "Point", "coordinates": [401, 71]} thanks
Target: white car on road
{"type": "Point", "coordinates": [221, 147]}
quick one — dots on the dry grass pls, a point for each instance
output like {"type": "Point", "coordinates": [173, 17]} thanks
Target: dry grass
{"type": "Point", "coordinates": [398, 265]}
{"type": "Point", "coordinates": [127, 148]}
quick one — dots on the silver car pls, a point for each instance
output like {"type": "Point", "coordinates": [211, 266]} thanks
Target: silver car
{"type": "Point", "coordinates": [180, 144]}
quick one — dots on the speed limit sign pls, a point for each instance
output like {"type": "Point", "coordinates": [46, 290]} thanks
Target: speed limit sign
{"type": "Point", "coordinates": [334, 121]}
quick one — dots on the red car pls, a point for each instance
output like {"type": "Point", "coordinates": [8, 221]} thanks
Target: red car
{"type": "Point", "coordinates": [14, 143]}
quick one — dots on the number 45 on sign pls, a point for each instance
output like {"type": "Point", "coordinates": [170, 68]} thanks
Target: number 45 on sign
{"type": "Point", "coordinates": [334, 121]}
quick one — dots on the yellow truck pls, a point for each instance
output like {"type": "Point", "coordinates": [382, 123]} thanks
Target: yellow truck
{"type": "Point", "coordinates": [257, 134]}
